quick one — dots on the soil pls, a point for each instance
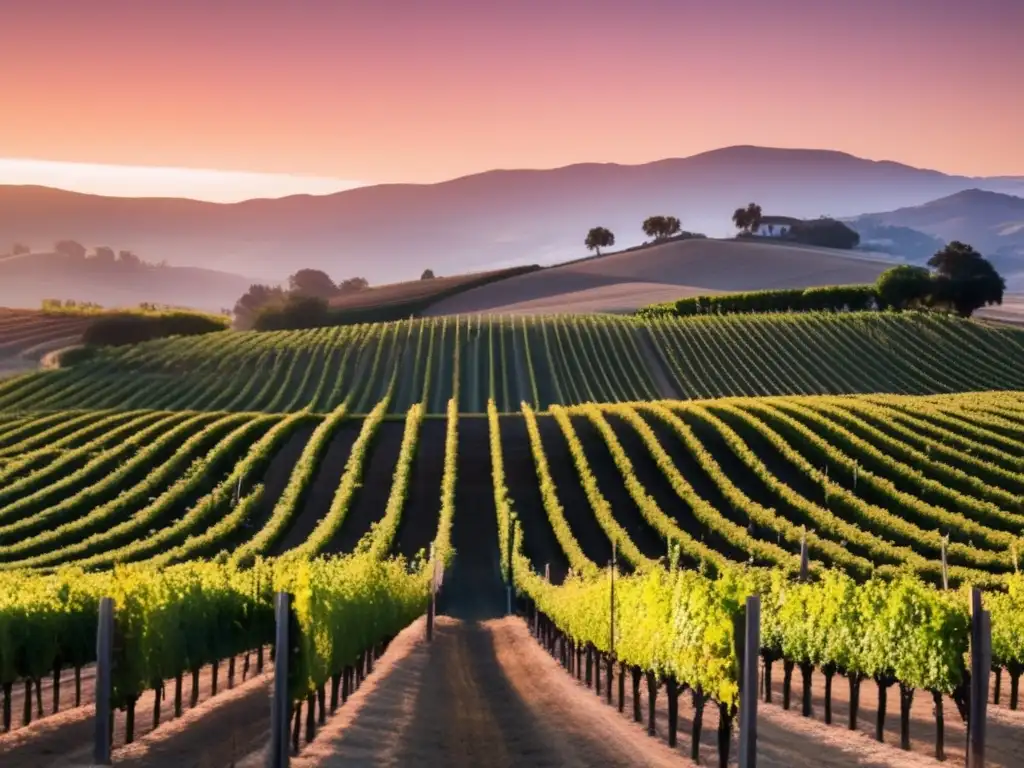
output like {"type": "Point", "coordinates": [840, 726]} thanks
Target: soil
{"type": "Point", "coordinates": [325, 483]}
{"type": "Point", "coordinates": [418, 525]}
{"type": "Point", "coordinates": [66, 739]}
{"type": "Point", "coordinates": [539, 542]}
{"type": "Point", "coordinates": [481, 694]}
{"type": "Point", "coordinates": [584, 526]}
{"type": "Point", "coordinates": [612, 486]}
{"type": "Point", "coordinates": [371, 498]}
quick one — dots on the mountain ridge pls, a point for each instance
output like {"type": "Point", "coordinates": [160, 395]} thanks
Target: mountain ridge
{"type": "Point", "coordinates": [391, 232]}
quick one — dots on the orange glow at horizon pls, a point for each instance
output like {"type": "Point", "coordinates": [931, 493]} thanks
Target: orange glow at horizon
{"type": "Point", "coordinates": [315, 93]}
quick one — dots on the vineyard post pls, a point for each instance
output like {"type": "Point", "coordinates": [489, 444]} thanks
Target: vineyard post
{"type": "Point", "coordinates": [280, 704]}
{"type": "Point", "coordinates": [804, 557]}
{"type": "Point", "coordinates": [945, 571]}
{"type": "Point", "coordinates": [104, 662]}
{"type": "Point", "coordinates": [981, 663]}
{"type": "Point", "coordinates": [432, 604]}
{"type": "Point", "coordinates": [611, 632]}
{"type": "Point", "coordinates": [511, 577]}
{"type": "Point", "coordinates": [748, 684]}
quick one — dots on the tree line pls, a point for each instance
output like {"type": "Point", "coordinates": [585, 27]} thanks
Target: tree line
{"type": "Point", "coordinates": [824, 231]}
{"type": "Point", "coordinates": [304, 302]}
{"type": "Point", "coordinates": [101, 254]}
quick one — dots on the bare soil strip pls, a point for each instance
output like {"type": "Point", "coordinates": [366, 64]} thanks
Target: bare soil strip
{"type": "Point", "coordinates": [483, 694]}
{"type": "Point", "coordinates": [325, 483]}
{"type": "Point", "coordinates": [66, 739]}
{"type": "Point", "coordinates": [371, 498]}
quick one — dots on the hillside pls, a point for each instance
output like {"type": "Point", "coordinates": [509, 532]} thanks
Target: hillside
{"type": "Point", "coordinates": [993, 223]}
{"type": "Point", "coordinates": [479, 222]}
{"type": "Point", "coordinates": [622, 282]}
{"type": "Point", "coordinates": [544, 361]}
{"type": "Point", "coordinates": [26, 336]}
{"type": "Point", "coordinates": [26, 280]}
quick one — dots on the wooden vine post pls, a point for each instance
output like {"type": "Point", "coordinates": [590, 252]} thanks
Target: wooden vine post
{"type": "Point", "coordinates": [104, 683]}
{"type": "Point", "coordinates": [805, 563]}
{"type": "Point", "coordinates": [981, 664]}
{"type": "Point", "coordinates": [435, 582]}
{"type": "Point", "coordinates": [510, 588]}
{"type": "Point", "coordinates": [749, 654]}
{"type": "Point", "coordinates": [611, 622]}
{"type": "Point", "coordinates": [280, 704]}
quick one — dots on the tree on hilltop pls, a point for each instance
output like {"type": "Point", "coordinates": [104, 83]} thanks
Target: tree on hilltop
{"type": "Point", "coordinates": [353, 284]}
{"type": "Point", "coordinates": [104, 254]}
{"type": "Point", "coordinates": [428, 274]}
{"type": "Point", "coordinates": [661, 227]}
{"type": "Point", "coordinates": [964, 279]}
{"type": "Point", "coordinates": [748, 219]}
{"type": "Point", "coordinates": [598, 238]}
{"type": "Point", "coordinates": [70, 248]}
{"type": "Point", "coordinates": [312, 282]}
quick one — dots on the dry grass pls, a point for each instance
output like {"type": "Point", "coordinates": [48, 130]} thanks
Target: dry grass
{"type": "Point", "coordinates": [622, 282]}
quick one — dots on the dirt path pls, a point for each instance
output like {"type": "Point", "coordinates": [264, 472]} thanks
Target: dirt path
{"type": "Point", "coordinates": [483, 694]}
{"type": "Point", "coordinates": [656, 365]}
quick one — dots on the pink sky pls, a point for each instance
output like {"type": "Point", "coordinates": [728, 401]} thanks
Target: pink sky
{"type": "Point", "coordinates": [381, 90]}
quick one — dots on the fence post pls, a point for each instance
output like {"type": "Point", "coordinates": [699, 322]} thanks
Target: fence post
{"type": "Point", "coordinates": [280, 704]}
{"type": "Point", "coordinates": [981, 664]}
{"type": "Point", "coordinates": [104, 679]}
{"type": "Point", "coordinates": [748, 684]}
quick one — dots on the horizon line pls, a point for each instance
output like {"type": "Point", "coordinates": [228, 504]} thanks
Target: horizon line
{"type": "Point", "coordinates": [233, 186]}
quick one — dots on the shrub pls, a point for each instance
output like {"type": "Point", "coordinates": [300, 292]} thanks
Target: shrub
{"type": "Point", "coordinates": [129, 328]}
{"type": "Point", "coordinates": [833, 298]}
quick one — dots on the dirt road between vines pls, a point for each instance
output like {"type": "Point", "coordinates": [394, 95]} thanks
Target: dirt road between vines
{"type": "Point", "coordinates": [483, 693]}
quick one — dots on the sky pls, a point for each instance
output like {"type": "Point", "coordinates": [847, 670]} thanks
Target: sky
{"type": "Point", "coordinates": [316, 95]}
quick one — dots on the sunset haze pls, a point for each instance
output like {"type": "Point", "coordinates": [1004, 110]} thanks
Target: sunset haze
{"type": "Point", "coordinates": [412, 92]}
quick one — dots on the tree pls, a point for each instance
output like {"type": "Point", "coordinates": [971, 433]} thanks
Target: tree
{"type": "Point", "coordinates": [428, 274]}
{"type": "Point", "coordinates": [104, 254]}
{"type": "Point", "coordinates": [353, 284]}
{"type": "Point", "coordinates": [20, 249]}
{"type": "Point", "coordinates": [747, 220]}
{"type": "Point", "coordinates": [903, 287]}
{"type": "Point", "coordinates": [964, 279]}
{"type": "Point", "coordinates": [297, 311]}
{"type": "Point", "coordinates": [253, 301]}
{"type": "Point", "coordinates": [661, 227]}
{"type": "Point", "coordinates": [598, 238]}
{"type": "Point", "coordinates": [312, 282]}
{"type": "Point", "coordinates": [70, 248]}
{"type": "Point", "coordinates": [128, 257]}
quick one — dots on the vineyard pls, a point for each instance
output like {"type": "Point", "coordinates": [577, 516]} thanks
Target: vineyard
{"type": "Point", "coordinates": [542, 361]}
{"type": "Point", "coordinates": [190, 479]}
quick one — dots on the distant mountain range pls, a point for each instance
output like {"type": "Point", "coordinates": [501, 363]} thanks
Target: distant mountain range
{"type": "Point", "coordinates": [991, 222]}
{"type": "Point", "coordinates": [394, 231]}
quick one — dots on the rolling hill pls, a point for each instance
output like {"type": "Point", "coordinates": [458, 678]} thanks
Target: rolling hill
{"type": "Point", "coordinates": [25, 280]}
{"type": "Point", "coordinates": [622, 282]}
{"type": "Point", "coordinates": [479, 222]}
